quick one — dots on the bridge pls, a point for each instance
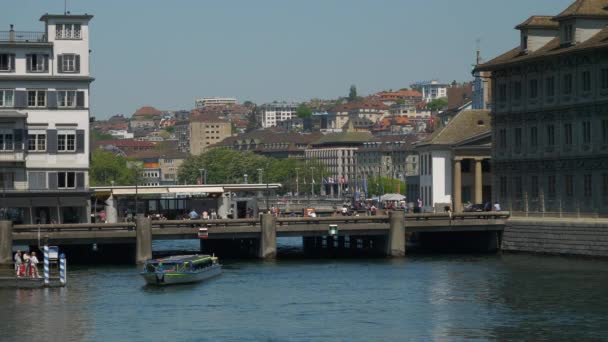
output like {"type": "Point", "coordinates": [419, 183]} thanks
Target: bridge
{"type": "Point", "coordinates": [384, 235]}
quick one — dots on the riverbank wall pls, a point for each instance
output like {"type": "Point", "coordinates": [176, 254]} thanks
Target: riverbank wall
{"type": "Point", "coordinates": [567, 236]}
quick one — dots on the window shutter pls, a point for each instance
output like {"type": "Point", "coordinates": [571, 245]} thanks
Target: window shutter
{"type": "Point", "coordinates": [51, 141]}
{"type": "Point", "coordinates": [80, 99]}
{"type": "Point", "coordinates": [28, 62]}
{"type": "Point", "coordinates": [79, 180]}
{"type": "Point", "coordinates": [51, 101]}
{"type": "Point", "coordinates": [77, 62]}
{"type": "Point", "coordinates": [18, 134]}
{"type": "Point", "coordinates": [20, 100]}
{"type": "Point", "coordinates": [80, 141]}
{"type": "Point", "coordinates": [12, 58]}
{"type": "Point", "coordinates": [60, 63]}
{"type": "Point", "coordinates": [46, 63]}
{"type": "Point", "coordinates": [36, 180]}
{"type": "Point", "coordinates": [52, 180]}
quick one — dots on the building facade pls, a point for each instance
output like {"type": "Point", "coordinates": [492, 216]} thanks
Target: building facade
{"type": "Point", "coordinates": [550, 113]}
{"type": "Point", "coordinates": [44, 121]}
{"type": "Point", "coordinates": [206, 102]}
{"type": "Point", "coordinates": [205, 130]}
{"type": "Point", "coordinates": [431, 90]}
{"type": "Point", "coordinates": [271, 113]}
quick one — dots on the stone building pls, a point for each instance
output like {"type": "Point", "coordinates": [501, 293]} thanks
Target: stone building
{"type": "Point", "coordinates": [550, 113]}
{"type": "Point", "coordinates": [205, 130]}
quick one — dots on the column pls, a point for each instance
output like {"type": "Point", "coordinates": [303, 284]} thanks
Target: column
{"type": "Point", "coordinates": [478, 181]}
{"type": "Point", "coordinates": [396, 234]}
{"type": "Point", "coordinates": [6, 243]}
{"type": "Point", "coordinates": [268, 237]}
{"type": "Point", "coordinates": [111, 211]}
{"type": "Point", "coordinates": [143, 244]}
{"type": "Point", "coordinates": [457, 186]}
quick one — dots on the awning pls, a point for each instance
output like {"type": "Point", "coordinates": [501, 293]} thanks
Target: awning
{"type": "Point", "coordinates": [198, 190]}
{"type": "Point", "coordinates": [392, 197]}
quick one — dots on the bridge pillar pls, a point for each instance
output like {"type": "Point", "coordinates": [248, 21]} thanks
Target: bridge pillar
{"type": "Point", "coordinates": [395, 244]}
{"type": "Point", "coordinates": [143, 230]}
{"type": "Point", "coordinates": [6, 242]}
{"type": "Point", "coordinates": [268, 237]}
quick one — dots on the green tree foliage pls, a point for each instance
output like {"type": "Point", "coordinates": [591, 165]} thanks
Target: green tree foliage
{"type": "Point", "coordinates": [170, 129]}
{"type": "Point", "coordinates": [384, 185]}
{"type": "Point", "coordinates": [304, 112]}
{"type": "Point", "coordinates": [96, 135]}
{"type": "Point", "coordinates": [438, 104]}
{"type": "Point", "coordinates": [107, 167]}
{"type": "Point", "coordinates": [225, 166]}
{"type": "Point", "coordinates": [352, 93]}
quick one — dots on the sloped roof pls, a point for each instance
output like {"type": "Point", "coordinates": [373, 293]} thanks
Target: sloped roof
{"type": "Point", "coordinates": [539, 21]}
{"type": "Point", "coordinates": [553, 48]}
{"type": "Point", "coordinates": [465, 125]}
{"type": "Point", "coordinates": [585, 8]}
{"type": "Point", "coordinates": [345, 138]}
{"type": "Point", "coordinates": [147, 111]}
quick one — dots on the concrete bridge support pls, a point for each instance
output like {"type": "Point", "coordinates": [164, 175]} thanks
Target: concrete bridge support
{"type": "Point", "coordinates": [143, 245]}
{"type": "Point", "coordinates": [395, 244]}
{"type": "Point", "coordinates": [268, 237]}
{"type": "Point", "coordinates": [6, 243]}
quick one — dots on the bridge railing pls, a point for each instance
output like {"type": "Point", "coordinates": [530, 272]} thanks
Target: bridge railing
{"type": "Point", "coordinates": [72, 227]}
{"type": "Point", "coordinates": [209, 223]}
{"type": "Point", "coordinates": [459, 216]}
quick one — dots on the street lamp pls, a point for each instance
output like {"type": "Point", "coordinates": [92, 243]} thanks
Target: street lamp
{"type": "Point", "coordinates": [312, 181]}
{"type": "Point", "coordinates": [203, 180]}
{"type": "Point", "coordinates": [267, 188]}
{"type": "Point", "coordinates": [260, 172]}
{"type": "Point", "coordinates": [297, 182]}
{"type": "Point", "coordinates": [245, 176]}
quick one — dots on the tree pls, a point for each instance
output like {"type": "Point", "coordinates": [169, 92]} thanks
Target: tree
{"type": "Point", "coordinates": [252, 123]}
{"type": "Point", "coordinates": [304, 112]}
{"type": "Point", "coordinates": [170, 129]}
{"type": "Point", "coordinates": [437, 104]}
{"type": "Point", "coordinates": [352, 94]}
{"type": "Point", "coordinates": [385, 185]}
{"type": "Point", "coordinates": [107, 167]}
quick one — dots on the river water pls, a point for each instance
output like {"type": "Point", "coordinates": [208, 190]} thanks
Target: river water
{"type": "Point", "coordinates": [420, 298]}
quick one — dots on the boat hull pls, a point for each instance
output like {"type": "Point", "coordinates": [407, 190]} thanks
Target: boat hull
{"type": "Point", "coordinates": [170, 278]}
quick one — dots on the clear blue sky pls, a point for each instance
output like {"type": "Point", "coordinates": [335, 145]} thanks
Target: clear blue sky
{"type": "Point", "coordinates": [166, 53]}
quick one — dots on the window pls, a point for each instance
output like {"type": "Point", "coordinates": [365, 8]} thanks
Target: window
{"type": "Point", "coordinates": [503, 186]}
{"type": "Point", "coordinates": [533, 89]}
{"type": "Point", "coordinates": [66, 98]}
{"type": "Point", "coordinates": [568, 134]}
{"type": "Point", "coordinates": [534, 186]}
{"type": "Point", "coordinates": [550, 86]}
{"type": "Point", "coordinates": [518, 139]}
{"type": "Point", "coordinates": [37, 63]}
{"type": "Point", "coordinates": [567, 84]}
{"type": "Point", "coordinates": [66, 142]}
{"type": "Point", "coordinates": [7, 62]}
{"type": "Point", "coordinates": [66, 180]}
{"type": "Point", "coordinates": [502, 92]}
{"type": "Point", "coordinates": [587, 185]}
{"type": "Point", "coordinates": [604, 78]}
{"type": "Point", "coordinates": [524, 42]}
{"type": "Point", "coordinates": [518, 186]}
{"type": "Point", "coordinates": [550, 135]}
{"type": "Point", "coordinates": [605, 131]}
{"type": "Point", "coordinates": [36, 142]}
{"type": "Point", "coordinates": [586, 132]}
{"type": "Point", "coordinates": [36, 98]}
{"type": "Point", "coordinates": [569, 185]}
{"type": "Point", "coordinates": [6, 97]}
{"type": "Point", "coordinates": [7, 180]}
{"type": "Point", "coordinates": [605, 184]}
{"type": "Point", "coordinates": [502, 138]}
{"type": "Point", "coordinates": [68, 31]}
{"type": "Point", "coordinates": [516, 90]}
{"type": "Point", "coordinates": [568, 34]}
{"type": "Point", "coordinates": [533, 136]}
{"type": "Point", "coordinates": [586, 81]}
{"type": "Point", "coordinates": [6, 142]}
{"type": "Point", "coordinates": [551, 186]}
{"type": "Point", "coordinates": [69, 63]}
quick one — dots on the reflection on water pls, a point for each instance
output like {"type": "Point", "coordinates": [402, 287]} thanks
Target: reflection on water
{"type": "Point", "coordinates": [509, 297]}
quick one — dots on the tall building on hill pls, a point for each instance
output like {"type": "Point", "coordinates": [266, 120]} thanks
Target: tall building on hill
{"type": "Point", "coordinates": [431, 90]}
{"type": "Point", "coordinates": [271, 113]}
{"type": "Point", "coordinates": [550, 113]}
{"type": "Point", "coordinates": [205, 130]}
{"type": "Point", "coordinates": [214, 102]}
{"type": "Point", "coordinates": [44, 121]}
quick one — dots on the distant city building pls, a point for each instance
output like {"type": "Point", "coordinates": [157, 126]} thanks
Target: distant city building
{"type": "Point", "coordinates": [431, 90]}
{"type": "Point", "coordinates": [214, 102]}
{"type": "Point", "coordinates": [389, 98]}
{"type": "Point", "coordinates": [159, 167]}
{"type": "Point", "coordinates": [182, 134]}
{"type": "Point", "coordinates": [271, 113]}
{"type": "Point", "coordinates": [145, 118]}
{"type": "Point", "coordinates": [44, 133]}
{"type": "Point", "coordinates": [482, 88]}
{"type": "Point", "coordinates": [459, 94]}
{"type": "Point", "coordinates": [120, 134]}
{"type": "Point", "coordinates": [205, 130]}
{"type": "Point", "coordinates": [550, 126]}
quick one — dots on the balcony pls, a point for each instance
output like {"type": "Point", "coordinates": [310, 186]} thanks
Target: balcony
{"type": "Point", "coordinates": [23, 37]}
{"type": "Point", "coordinates": [12, 156]}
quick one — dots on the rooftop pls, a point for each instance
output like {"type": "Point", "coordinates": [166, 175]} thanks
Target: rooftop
{"type": "Point", "coordinates": [585, 8]}
{"type": "Point", "coordinates": [465, 125]}
{"type": "Point", "coordinates": [539, 21]}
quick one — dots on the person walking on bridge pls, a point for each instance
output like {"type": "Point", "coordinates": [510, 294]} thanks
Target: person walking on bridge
{"type": "Point", "coordinates": [193, 215]}
{"type": "Point", "coordinates": [34, 266]}
{"type": "Point", "coordinates": [18, 263]}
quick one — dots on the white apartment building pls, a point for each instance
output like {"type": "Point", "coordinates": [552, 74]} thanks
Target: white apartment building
{"type": "Point", "coordinates": [432, 90]}
{"type": "Point", "coordinates": [271, 113]}
{"type": "Point", "coordinates": [214, 102]}
{"type": "Point", "coordinates": [44, 121]}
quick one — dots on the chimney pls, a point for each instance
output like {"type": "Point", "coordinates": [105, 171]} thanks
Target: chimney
{"type": "Point", "coordinates": [11, 34]}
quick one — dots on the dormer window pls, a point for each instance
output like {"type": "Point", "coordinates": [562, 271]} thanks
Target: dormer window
{"type": "Point", "coordinates": [524, 42]}
{"type": "Point", "coordinates": [568, 34]}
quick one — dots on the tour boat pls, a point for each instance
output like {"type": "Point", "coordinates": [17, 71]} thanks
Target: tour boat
{"type": "Point", "coordinates": [180, 269]}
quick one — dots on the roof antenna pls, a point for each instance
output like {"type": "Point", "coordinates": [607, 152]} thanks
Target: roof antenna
{"type": "Point", "coordinates": [478, 57]}
{"type": "Point", "coordinates": [65, 7]}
